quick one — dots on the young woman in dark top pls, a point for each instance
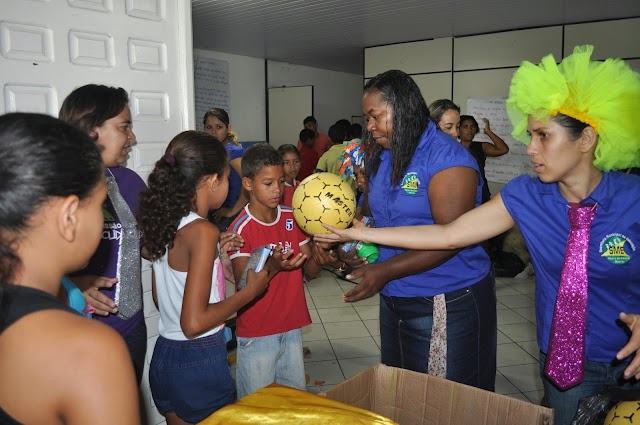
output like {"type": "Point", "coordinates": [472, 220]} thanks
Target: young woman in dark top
{"type": "Point", "coordinates": [57, 367]}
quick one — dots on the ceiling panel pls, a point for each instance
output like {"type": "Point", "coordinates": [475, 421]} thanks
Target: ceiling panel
{"type": "Point", "coordinates": [331, 34]}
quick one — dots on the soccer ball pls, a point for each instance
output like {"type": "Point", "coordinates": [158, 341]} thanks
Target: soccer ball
{"type": "Point", "coordinates": [323, 198]}
{"type": "Point", "coordinates": [625, 412]}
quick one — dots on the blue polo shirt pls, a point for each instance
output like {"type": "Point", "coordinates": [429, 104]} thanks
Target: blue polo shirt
{"type": "Point", "coordinates": [407, 204]}
{"type": "Point", "coordinates": [235, 180]}
{"type": "Point", "coordinates": [613, 266]}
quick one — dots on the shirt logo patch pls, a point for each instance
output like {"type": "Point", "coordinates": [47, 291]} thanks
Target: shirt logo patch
{"type": "Point", "coordinates": [288, 224]}
{"type": "Point", "coordinates": [410, 183]}
{"type": "Point", "coordinates": [617, 248]}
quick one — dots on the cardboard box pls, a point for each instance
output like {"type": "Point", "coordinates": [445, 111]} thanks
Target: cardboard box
{"type": "Point", "coordinates": [410, 398]}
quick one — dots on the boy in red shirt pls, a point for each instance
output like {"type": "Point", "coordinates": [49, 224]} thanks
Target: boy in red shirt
{"type": "Point", "coordinates": [269, 330]}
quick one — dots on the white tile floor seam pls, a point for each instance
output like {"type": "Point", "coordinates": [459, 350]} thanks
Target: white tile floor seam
{"type": "Point", "coordinates": [344, 339]}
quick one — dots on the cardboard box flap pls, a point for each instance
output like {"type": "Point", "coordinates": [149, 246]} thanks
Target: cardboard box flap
{"type": "Point", "coordinates": [415, 398]}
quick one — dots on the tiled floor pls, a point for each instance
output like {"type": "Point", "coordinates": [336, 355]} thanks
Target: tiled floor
{"type": "Point", "coordinates": [344, 339]}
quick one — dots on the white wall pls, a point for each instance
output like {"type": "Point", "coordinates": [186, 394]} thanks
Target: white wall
{"type": "Point", "coordinates": [336, 95]}
{"type": "Point", "coordinates": [248, 107]}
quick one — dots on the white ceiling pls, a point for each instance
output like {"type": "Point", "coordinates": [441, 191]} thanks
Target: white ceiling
{"type": "Point", "coordinates": [331, 34]}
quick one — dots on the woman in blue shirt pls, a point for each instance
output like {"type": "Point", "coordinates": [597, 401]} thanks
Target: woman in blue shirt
{"type": "Point", "coordinates": [579, 119]}
{"type": "Point", "coordinates": [419, 175]}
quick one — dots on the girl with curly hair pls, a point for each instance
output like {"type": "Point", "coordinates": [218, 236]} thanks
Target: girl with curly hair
{"type": "Point", "coordinates": [189, 374]}
{"type": "Point", "coordinates": [578, 217]}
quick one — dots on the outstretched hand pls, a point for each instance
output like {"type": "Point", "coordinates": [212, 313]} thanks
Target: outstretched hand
{"type": "Point", "coordinates": [287, 261]}
{"type": "Point", "coordinates": [353, 233]}
{"type": "Point", "coordinates": [373, 280]}
{"type": "Point", "coordinates": [633, 346]}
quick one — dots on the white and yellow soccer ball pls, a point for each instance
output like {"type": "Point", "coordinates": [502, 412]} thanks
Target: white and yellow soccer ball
{"type": "Point", "coordinates": [323, 198]}
{"type": "Point", "coordinates": [625, 412]}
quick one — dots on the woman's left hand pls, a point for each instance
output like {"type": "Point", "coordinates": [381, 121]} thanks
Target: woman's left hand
{"type": "Point", "coordinates": [633, 323]}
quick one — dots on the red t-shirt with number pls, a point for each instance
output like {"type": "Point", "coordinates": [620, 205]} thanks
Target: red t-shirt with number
{"type": "Point", "coordinates": [283, 306]}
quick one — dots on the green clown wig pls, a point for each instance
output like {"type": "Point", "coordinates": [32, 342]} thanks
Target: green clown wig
{"type": "Point", "coordinates": [604, 95]}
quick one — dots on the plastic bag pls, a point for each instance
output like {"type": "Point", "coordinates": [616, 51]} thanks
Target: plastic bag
{"type": "Point", "coordinates": [593, 410]}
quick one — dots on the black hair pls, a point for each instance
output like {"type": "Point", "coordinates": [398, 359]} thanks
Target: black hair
{"type": "Point", "coordinates": [42, 158]}
{"type": "Point", "coordinates": [464, 118]}
{"type": "Point", "coordinates": [347, 127]}
{"type": "Point", "coordinates": [337, 134]}
{"type": "Point", "coordinates": [410, 119]}
{"type": "Point", "coordinates": [574, 127]}
{"type": "Point", "coordinates": [287, 148]}
{"type": "Point", "coordinates": [356, 130]}
{"type": "Point", "coordinates": [219, 113]}
{"type": "Point", "coordinates": [190, 156]}
{"type": "Point", "coordinates": [306, 134]}
{"type": "Point", "coordinates": [309, 119]}
{"type": "Point", "coordinates": [90, 106]}
{"type": "Point", "coordinates": [437, 108]}
{"type": "Point", "coordinates": [257, 157]}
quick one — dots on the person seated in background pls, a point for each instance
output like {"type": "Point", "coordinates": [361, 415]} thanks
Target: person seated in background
{"type": "Point", "coordinates": [308, 156]}
{"type": "Point", "coordinates": [329, 160]}
{"type": "Point", "coordinates": [481, 150]}
{"type": "Point", "coordinates": [291, 164]}
{"type": "Point", "coordinates": [321, 142]}
{"type": "Point", "coordinates": [446, 115]}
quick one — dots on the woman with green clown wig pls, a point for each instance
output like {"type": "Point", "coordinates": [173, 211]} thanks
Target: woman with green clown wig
{"type": "Point", "coordinates": [580, 220]}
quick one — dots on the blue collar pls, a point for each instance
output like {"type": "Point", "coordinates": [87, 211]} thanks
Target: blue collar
{"type": "Point", "coordinates": [602, 194]}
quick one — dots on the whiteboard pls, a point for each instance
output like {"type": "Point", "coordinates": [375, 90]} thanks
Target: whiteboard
{"type": "Point", "coordinates": [288, 107]}
{"type": "Point", "coordinates": [504, 168]}
{"type": "Point", "coordinates": [211, 86]}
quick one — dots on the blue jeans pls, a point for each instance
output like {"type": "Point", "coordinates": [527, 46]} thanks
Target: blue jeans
{"type": "Point", "coordinates": [191, 378]}
{"type": "Point", "coordinates": [598, 377]}
{"type": "Point", "coordinates": [267, 359]}
{"type": "Point", "coordinates": [405, 333]}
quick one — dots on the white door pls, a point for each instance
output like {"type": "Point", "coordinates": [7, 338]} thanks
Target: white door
{"type": "Point", "coordinates": [50, 47]}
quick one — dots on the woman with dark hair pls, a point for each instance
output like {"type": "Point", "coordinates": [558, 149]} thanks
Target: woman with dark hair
{"type": "Point", "coordinates": [111, 282]}
{"type": "Point", "coordinates": [446, 115]}
{"type": "Point", "coordinates": [579, 220]}
{"type": "Point", "coordinates": [481, 150]}
{"type": "Point", "coordinates": [216, 123]}
{"type": "Point", "coordinates": [437, 308]}
{"type": "Point", "coordinates": [51, 358]}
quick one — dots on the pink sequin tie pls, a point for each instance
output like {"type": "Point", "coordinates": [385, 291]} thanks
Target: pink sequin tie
{"type": "Point", "coordinates": [565, 357]}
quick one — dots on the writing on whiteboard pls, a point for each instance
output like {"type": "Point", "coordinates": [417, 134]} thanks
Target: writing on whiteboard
{"type": "Point", "coordinates": [516, 162]}
{"type": "Point", "coordinates": [211, 86]}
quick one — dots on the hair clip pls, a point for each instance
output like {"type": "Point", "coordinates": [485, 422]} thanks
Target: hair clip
{"type": "Point", "coordinates": [169, 159]}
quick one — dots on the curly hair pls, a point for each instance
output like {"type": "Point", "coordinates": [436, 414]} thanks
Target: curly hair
{"type": "Point", "coordinates": [410, 119]}
{"type": "Point", "coordinates": [42, 158]}
{"type": "Point", "coordinates": [190, 157]}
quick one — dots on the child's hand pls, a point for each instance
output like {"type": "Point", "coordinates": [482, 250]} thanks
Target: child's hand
{"type": "Point", "coordinates": [230, 241]}
{"type": "Point", "coordinates": [279, 261]}
{"type": "Point", "coordinates": [257, 283]}
{"type": "Point", "coordinates": [325, 254]}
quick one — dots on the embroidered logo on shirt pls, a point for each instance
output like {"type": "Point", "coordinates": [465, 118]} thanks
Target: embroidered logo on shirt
{"type": "Point", "coordinates": [288, 224]}
{"type": "Point", "coordinates": [617, 248]}
{"type": "Point", "coordinates": [410, 183]}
